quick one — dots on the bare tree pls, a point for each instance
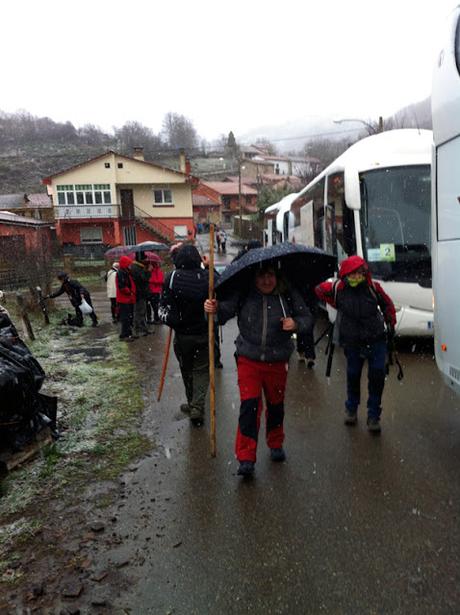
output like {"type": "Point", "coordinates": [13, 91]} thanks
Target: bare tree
{"type": "Point", "coordinates": [134, 134]}
{"type": "Point", "coordinates": [178, 131]}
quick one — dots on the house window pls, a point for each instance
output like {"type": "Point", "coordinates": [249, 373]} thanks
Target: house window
{"type": "Point", "coordinates": [180, 231]}
{"type": "Point", "coordinates": [91, 234]}
{"type": "Point", "coordinates": [107, 165]}
{"type": "Point", "coordinates": [84, 194]}
{"type": "Point", "coordinates": [120, 165]}
{"type": "Point", "coordinates": [162, 196]}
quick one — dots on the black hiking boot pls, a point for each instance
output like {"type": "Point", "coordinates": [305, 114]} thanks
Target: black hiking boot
{"type": "Point", "coordinates": [373, 425]}
{"type": "Point", "coordinates": [277, 454]}
{"type": "Point", "coordinates": [351, 418]}
{"type": "Point", "coordinates": [246, 468]}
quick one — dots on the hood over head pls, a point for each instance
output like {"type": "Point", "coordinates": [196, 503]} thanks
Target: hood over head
{"type": "Point", "coordinates": [352, 264]}
{"type": "Point", "coordinates": [125, 262]}
{"type": "Point", "coordinates": [62, 275]}
{"type": "Point", "coordinates": [187, 257]}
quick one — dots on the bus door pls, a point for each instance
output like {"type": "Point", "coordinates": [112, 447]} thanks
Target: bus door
{"type": "Point", "coordinates": [330, 229]}
{"type": "Point", "coordinates": [338, 220]}
{"type": "Point", "coordinates": [286, 226]}
{"type": "Point", "coordinates": [306, 224]}
{"type": "Point", "coordinates": [269, 232]}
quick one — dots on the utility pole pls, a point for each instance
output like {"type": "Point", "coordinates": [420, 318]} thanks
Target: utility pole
{"type": "Point", "coordinates": [380, 123]}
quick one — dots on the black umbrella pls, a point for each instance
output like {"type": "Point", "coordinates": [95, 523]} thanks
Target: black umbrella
{"type": "Point", "coordinates": [150, 246]}
{"type": "Point", "coordinates": [301, 266]}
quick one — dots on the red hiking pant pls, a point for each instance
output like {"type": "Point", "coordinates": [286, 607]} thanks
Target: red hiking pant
{"type": "Point", "coordinates": [253, 378]}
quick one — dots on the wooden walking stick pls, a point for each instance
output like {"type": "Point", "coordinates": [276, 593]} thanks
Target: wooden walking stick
{"type": "Point", "coordinates": [165, 364]}
{"type": "Point", "coordinates": [212, 388]}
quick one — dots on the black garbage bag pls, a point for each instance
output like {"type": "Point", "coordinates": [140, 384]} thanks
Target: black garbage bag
{"type": "Point", "coordinates": [24, 411]}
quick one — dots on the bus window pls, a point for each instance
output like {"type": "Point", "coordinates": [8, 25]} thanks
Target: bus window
{"type": "Point", "coordinates": [340, 236]}
{"type": "Point", "coordinates": [396, 223]}
{"type": "Point", "coordinates": [316, 195]}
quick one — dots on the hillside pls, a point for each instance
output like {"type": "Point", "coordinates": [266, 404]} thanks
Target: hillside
{"type": "Point", "coordinates": [33, 148]}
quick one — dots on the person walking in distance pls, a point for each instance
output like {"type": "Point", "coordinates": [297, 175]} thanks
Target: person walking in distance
{"type": "Point", "coordinates": [126, 298]}
{"type": "Point", "coordinates": [363, 311]}
{"type": "Point", "coordinates": [267, 315]}
{"type": "Point", "coordinates": [110, 279]}
{"type": "Point", "coordinates": [140, 272]}
{"type": "Point", "coordinates": [155, 289]}
{"type": "Point", "coordinates": [223, 241]}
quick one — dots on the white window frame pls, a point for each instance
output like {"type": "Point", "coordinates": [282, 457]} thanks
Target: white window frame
{"type": "Point", "coordinates": [164, 201]}
{"type": "Point", "coordinates": [91, 240]}
{"type": "Point", "coordinates": [91, 189]}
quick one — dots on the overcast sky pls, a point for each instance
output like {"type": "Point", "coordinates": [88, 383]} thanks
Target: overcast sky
{"type": "Point", "coordinates": [225, 65]}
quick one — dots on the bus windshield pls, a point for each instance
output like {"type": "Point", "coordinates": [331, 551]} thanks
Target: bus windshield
{"type": "Point", "coordinates": [396, 223]}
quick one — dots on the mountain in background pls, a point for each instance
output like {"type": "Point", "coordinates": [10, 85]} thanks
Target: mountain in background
{"type": "Point", "coordinates": [32, 148]}
{"type": "Point", "coordinates": [294, 135]}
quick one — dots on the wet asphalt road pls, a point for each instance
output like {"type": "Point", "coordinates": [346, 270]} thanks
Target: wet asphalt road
{"type": "Point", "coordinates": [351, 523]}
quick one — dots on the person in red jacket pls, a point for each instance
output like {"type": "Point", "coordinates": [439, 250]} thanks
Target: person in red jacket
{"type": "Point", "coordinates": [126, 298]}
{"type": "Point", "coordinates": [363, 310]}
{"type": "Point", "coordinates": [155, 289]}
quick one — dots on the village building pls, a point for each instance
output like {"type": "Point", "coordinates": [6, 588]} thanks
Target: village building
{"type": "Point", "coordinates": [23, 241]}
{"type": "Point", "coordinates": [114, 199]}
{"type": "Point", "coordinates": [207, 209]}
{"type": "Point", "coordinates": [37, 205]}
{"type": "Point", "coordinates": [229, 195]}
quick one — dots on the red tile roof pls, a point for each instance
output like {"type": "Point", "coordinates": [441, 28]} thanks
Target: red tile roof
{"type": "Point", "coordinates": [230, 188]}
{"type": "Point", "coordinates": [203, 201]}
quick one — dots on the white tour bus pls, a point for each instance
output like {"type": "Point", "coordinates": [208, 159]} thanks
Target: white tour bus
{"type": "Point", "coordinates": [374, 201]}
{"type": "Point", "coordinates": [278, 219]}
{"type": "Point", "coordinates": [445, 103]}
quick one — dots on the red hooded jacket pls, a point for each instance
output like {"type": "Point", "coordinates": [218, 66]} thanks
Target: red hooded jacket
{"type": "Point", "coordinates": [126, 288]}
{"type": "Point", "coordinates": [327, 291]}
{"type": "Point", "coordinates": [156, 280]}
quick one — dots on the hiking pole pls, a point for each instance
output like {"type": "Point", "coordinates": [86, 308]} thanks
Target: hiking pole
{"type": "Point", "coordinates": [330, 352]}
{"type": "Point", "coordinates": [42, 305]}
{"type": "Point", "coordinates": [212, 389]}
{"type": "Point", "coordinates": [325, 332]}
{"type": "Point", "coordinates": [165, 364]}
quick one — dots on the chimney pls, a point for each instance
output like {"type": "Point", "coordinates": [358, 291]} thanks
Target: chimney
{"type": "Point", "coordinates": [188, 167]}
{"type": "Point", "coordinates": [182, 161]}
{"type": "Point", "coordinates": [138, 153]}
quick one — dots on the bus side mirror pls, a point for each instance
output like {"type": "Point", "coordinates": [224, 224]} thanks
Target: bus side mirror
{"type": "Point", "coordinates": [352, 189]}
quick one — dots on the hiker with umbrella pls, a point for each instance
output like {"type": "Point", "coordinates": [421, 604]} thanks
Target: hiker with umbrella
{"type": "Point", "coordinates": [155, 287]}
{"type": "Point", "coordinates": [269, 309]}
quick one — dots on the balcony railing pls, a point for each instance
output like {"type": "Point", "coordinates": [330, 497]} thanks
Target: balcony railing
{"type": "Point", "coordinates": [70, 212]}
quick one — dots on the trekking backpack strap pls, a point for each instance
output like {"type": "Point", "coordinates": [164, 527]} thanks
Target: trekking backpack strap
{"type": "Point", "coordinates": [171, 279]}
{"type": "Point", "coordinates": [335, 291]}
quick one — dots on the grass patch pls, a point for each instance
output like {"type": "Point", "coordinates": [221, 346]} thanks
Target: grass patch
{"type": "Point", "coordinates": [99, 406]}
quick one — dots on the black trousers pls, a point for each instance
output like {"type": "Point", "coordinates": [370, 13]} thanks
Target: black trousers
{"type": "Point", "coordinates": [78, 312]}
{"type": "Point", "coordinates": [192, 353]}
{"type": "Point", "coordinates": [113, 308]}
{"type": "Point", "coordinates": [126, 314]}
{"type": "Point", "coordinates": [153, 301]}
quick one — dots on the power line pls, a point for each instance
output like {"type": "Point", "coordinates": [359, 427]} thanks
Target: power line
{"type": "Point", "coordinates": [313, 135]}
